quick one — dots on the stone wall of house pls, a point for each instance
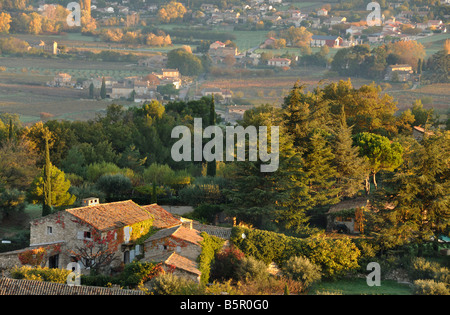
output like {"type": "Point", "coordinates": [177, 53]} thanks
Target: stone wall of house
{"type": "Point", "coordinates": [48, 229]}
{"type": "Point", "coordinates": [10, 260]}
{"type": "Point", "coordinates": [65, 228]}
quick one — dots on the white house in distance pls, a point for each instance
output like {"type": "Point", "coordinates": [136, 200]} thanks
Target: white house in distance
{"type": "Point", "coordinates": [279, 62]}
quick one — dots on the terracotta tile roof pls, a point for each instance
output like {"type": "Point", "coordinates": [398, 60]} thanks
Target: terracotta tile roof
{"type": "Point", "coordinates": [32, 287]}
{"type": "Point", "coordinates": [178, 261]}
{"type": "Point", "coordinates": [163, 219]}
{"type": "Point", "coordinates": [222, 232]}
{"type": "Point", "coordinates": [111, 215]}
{"type": "Point", "coordinates": [192, 236]}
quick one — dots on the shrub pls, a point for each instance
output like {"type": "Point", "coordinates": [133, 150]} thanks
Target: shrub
{"type": "Point", "coordinates": [301, 269]}
{"type": "Point", "coordinates": [206, 212]}
{"type": "Point", "coordinates": [114, 184]}
{"type": "Point", "coordinates": [169, 284]}
{"type": "Point", "coordinates": [430, 287]}
{"type": "Point", "coordinates": [218, 288]}
{"type": "Point", "coordinates": [137, 273]}
{"type": "Point", "coordinates": [423, 269]}
{"type": "Point", "coordinates": [335, 257]}
{"type": "Point", "coordinates": [40, 274]}
{"type": "Point", "coordinates": [270, 286]}
{"type": "Point", "coordinates": [251, 268]}
{"type": "Point", "coordinates": [226, 264]}
{"type": "Point", "coordinates": [198, 194]}
{"type": "Point", "coordinates": [98, 280]}
{"type": "Point", "coordinates": [94, 171]}
{"type": "Point", "coordinates": [210, 246]}
{"type": "Point", "coordinates": [443, 275]}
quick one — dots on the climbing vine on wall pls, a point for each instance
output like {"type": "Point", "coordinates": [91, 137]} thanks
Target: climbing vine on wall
{"type": "Point", "coordinates": [38, 256]}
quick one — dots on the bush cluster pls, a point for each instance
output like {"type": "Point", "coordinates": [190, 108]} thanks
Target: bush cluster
{"type": "Point", "coordinates": [334, 256]}
{"type": "Point", "coordinates": [40, 274]}
{"type": "Point", "coordinates": [430, 278]}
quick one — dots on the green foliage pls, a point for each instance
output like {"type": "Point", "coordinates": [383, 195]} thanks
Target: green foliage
{"type": "Point", "coordinates": [251, 269]}
{"type": "Point", "coordinates": [170, 284]}
{"type": "Point", "coordinates": [206, 212]}
{"type": "Point", "coordinates": [301, 269]}
{"type": "Point", "coordinates": [114, 185]}
{"type": "Point", "coordinates": [430, 287]}
{"type": "Point", "coordinates": [334, 256]}
{"type": "Point", "coordinates": [198, 194]}
{"type": "Point", "coordinates": [227, 263]}
{"type": "Point", "coordinates": [210, 246]}
{"type": "Point", "coordinates": [163, 174]}
{"type": "Point", "coordinates": [41, 274]}
{"type": "Point", "coordinates": [424, 269]}
{"type": "Point", "coordinates": [96, 170]}
{"type": "Point", "coordinates": [382, 153]}
{"type": "Point", "coordinates": [103, 89]}
{"type": "Point", "coordinates": [11, 201]}
{"type": "Point", "coordinates": [351, 168]}
{"type": "Point", "coordinates": [418, 190]}
{"type": "Point", "coordinates": [438, 67]}
{"type": "Point", "coordinates": [136, 273]}
{"type": "Point", "coordinates": [59, 186]}
{"type": "Point", "coordinates": [422, 116]}
{"type": "Point", "coordinates": [187, 63]}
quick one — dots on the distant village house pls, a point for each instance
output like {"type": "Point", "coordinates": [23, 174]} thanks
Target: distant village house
{"type": "Point", "coordinates": [279, 62]}
{"type": "Point", "coordinates": [322, 40]}
{"type": "Point", "coordinates": [398, 73]}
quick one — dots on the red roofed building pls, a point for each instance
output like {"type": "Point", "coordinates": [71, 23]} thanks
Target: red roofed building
{"type": "Point", "coordinates": [114, 232]}
{"type": "Point", "coordinates": [162, 218]}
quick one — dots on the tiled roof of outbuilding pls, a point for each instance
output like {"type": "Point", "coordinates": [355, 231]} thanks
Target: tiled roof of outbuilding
{"type": "Point", "coordinates": [32, 287]}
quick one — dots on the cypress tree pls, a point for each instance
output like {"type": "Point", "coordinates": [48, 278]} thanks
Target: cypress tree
{"type": "Point", "coordinates": [10, 130]}
{"type": "Point", "coordinates": [211, 166]}
{"type": "Point", "coordinates": [154, 195]}
{"type": "Point", "coordinates": [103, 89]}
{"type": "Point", "coordinates": [47, 195]}
{"type": "Point", "coordinates": [91, 90]}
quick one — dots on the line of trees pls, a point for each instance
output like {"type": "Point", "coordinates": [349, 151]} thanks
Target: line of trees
{"type": "Point", "coordinates": [336, 142]}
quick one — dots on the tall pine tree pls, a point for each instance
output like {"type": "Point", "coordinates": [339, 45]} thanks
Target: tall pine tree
{"type": "Point", "coordinates": [296, 113]}
{"type": "Point", "coordinates": [351, 169]}
{"type": "Point", "coordinates": [414, 205]}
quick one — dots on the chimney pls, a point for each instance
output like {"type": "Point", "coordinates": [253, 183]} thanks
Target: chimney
{"type": "Point", "coordinates": [91, 201]}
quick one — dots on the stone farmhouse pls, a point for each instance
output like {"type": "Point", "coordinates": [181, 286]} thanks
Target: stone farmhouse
{"type": "Point", "coordinates": [48, 48]}
{"type": "Point", "coordinates": [400, 73]}
{"type": "Point", "coordinates": [113, 231]}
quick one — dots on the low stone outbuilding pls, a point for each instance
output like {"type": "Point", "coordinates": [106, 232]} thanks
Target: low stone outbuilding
{"type": "Point", "coordinates": [347, 216]}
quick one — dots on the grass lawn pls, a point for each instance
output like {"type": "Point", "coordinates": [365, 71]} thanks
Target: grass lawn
{"type": "Point", "coordinates": [433, 43]}
{"type": "Point", "coordinates": [358, 286]}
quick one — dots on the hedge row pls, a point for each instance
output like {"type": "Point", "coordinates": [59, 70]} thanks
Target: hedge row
{"type": "Point", "coordinates": [210, 246]}
{"type": "Point", "coordinates": [334, 256]}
